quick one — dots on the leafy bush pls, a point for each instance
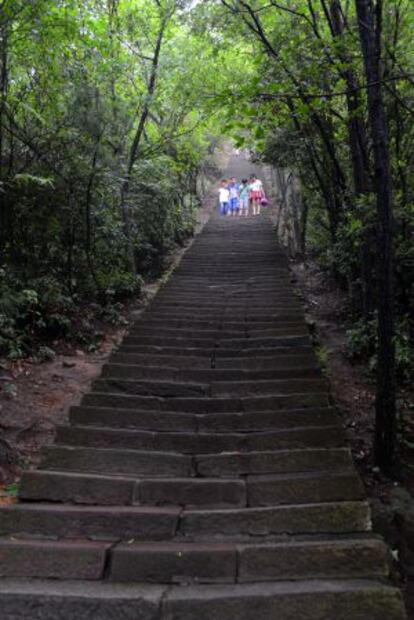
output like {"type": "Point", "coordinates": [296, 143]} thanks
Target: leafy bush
{"type": "Point", "coordinates": [362, 340]}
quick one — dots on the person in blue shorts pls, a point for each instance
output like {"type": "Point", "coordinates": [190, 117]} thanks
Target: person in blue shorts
{"type": "Point", "coordinates": [244, 197]}
{"type": "Point", "coordinates": [234, 203]}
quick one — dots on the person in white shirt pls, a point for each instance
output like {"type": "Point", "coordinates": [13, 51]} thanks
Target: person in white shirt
{"type": "Point", "coordinates": [224, 197]}
{"type": "Point", "coordinates": [256, 194]}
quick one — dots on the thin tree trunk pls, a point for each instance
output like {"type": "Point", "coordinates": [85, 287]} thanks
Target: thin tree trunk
{"type": "Point", "coordinates": [370, 23]}
{"type": "Point", "coordinates": [134, 151]}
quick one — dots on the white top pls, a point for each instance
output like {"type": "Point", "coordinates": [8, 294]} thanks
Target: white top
{"type": "Point", "coordinates": [256, 186]}
{"type": "Point", "coordinates": [224, 194]}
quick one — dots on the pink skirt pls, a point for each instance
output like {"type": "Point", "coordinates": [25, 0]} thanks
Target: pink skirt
{"type": "Point", "coordinates": [256, 195]}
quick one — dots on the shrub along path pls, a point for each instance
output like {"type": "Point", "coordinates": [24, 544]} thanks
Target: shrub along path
{"type": "Point", "coordinates": [206, 475]}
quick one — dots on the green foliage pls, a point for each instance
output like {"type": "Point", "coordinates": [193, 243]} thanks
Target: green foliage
{"type": "Point", "coordinates": [100, 172]}
{"type": "Point", "coordinates": [362, 341]}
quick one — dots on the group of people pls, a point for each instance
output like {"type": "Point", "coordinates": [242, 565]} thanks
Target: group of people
{"type": "Point", "coordinates": [237, 198]}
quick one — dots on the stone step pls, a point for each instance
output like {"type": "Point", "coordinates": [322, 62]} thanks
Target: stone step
{"type": "Point", "coordinates": [267, 420]}
{"type": "Point", "coordinates": [129, 418]}
{"type": "Point", "coordinates": [221, 422]}
{"type": "Point", "coordinates": [161, 360]}
{"type": "Point", "coordinates": [113, 461]}
{"type": "Point", "coordinates": [163, 523]}
{"type": "Point", "coordinates": [90, 489]}
{"type": "Point", "coordinates": [169, 341]}
{"type": "Point", "coordinates": [284, 358]}
{"type": "Point", "coordinates": [47, 559]}
{"type": "Point", "coordinates": [110, 461]}
{"type": "Point", "coordinates": [270, 342]}
{"type": "Point", "coordinates": [221, 318]}
{"type": "Point", "coordinates": [232, 309]}
{"type": "Point", "coordinates": [302, 488]}
{"type": "Point", "coordinates": [273, 462]}
{"type": "Point", "coordinates": [77, 488]}
{"type": "Point", "coordinates": [186, 563]}
{"type": "Point", "coordinates": [281, 362]}
{"type": "Point", "coordinates": [151, 321]}
{"type": "Point", "coordinates": [286, 600]}
{"type": "Point", "coordinates": [163, 389]}
{"type": "Point", "coordinates": [192, 492]}
{"type": "Point", "coordinates": [261, 387]}
{"type": "Point", "coordinates": [200, 443]}
{"type": "Point", "coordinates": [274, 353]}
{"type": "Point", "coordinates": [163, 372]}
{"type": "Point", "coordinates": [185, 352]}
{"type": "Point", "coordinates": [95, 522]}
{"type": "Point", "coordinates": [205, 405]}
{"type": "Point", "coordinates": [178, 386]}
{"type": "Point", "coordinates": [292, 329]}
{"type": "Point", "coordinates": [344, 517]}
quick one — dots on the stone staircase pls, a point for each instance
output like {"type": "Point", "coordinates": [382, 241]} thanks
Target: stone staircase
{"type": "Point", "coordinates": [206, 476]}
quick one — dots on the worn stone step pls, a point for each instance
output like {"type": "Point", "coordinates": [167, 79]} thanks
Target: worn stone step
{"type": "Point", "coordinates": [185, 563]}
{"type": "Point", "coordinates": [113, 461]}
{"type": "Point", "coordinates": [280, 359]}
{"type": "Point", "coordinates": [77, 488]}
{"type": "Point", "coordinates": [174, 563]}
{"type": "Point", "coordinates": [206, 405]}
{"type": "Point", "coordinates": [169, 341]}
{"type": "Point", "coordinates": [263, 308]}
{"type": "Point", "coordinates": [161, 388]}
{"type": "Point", "coordinates": [223, 318]}
{"type": "Point", "coordinates": [258, 353]}
{"type": "Point", "coordinates": [176, 385]}
{"type": "Point", "coordinates": [153, 360]}
{"type": "Point", "coordinates": [212, 492]}
{"type": "Point", "coordinates": [186, 352]}
{"type": "Point", "coordinates": [275, 353]}
{"type": "Point", "coordinates": [273, 462]}
{"type": "Point", "coordinates": [99, 522]}
{"type": "Point", "coordinates": [92, 489]}
{"type": "Point", "coordinates": [128, 418]}
{"type": "Point", "coordinates": [292, 329]}
{"type": "Point", "coordinates": [220, 422]}
{"type": "Point", "coordinates": [200, 443]}
{"type": "Point", "coordinates": [151, 321]}
{"type": "Point", "coordinates": [287, 600]}
{"type": "Point", "coordinates": [280, 386]}
{"type": "Point", "coordinates": [263, 343]}
{"type": "Point", "coordinates": [323, 518]}
{"type": "Point", "coordinates": [298, 488]}
{"type": "Point", "coordinates": [46, 559]}
{"type": "Point", "coordinates": [162, 372]}
{"type": "Point", "coordinates": [267, 420]}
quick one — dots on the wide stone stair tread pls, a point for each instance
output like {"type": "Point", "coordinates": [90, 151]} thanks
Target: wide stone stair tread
{"type": "Point", "coordinates": [240, 422]}
{"type": "Point", "coordinates": [230, 464]}
{"type": "Point", "coordinates": [249, 491]}
{"type": "Point", "coordinates": [204, 404]}
{"type": "Point", "coordinates": [171, 372]}
{"type": "Point", "coordinates": [201, 442]}
{"type": "Point", "coordinates": [186, 562]}
{"type": "Point", "coordinates": [206, 474]}
{"type": "Point", "coordinates": [356, 599]}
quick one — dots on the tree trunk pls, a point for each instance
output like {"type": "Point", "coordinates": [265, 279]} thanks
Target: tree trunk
{"type": "Point", "coordinates": [133, 154]}
{"type": "Point", "coordinates": [370, 22]}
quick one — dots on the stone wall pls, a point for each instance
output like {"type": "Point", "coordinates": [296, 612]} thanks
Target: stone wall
{"type": "Point", "coordinates": [288, 208]}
